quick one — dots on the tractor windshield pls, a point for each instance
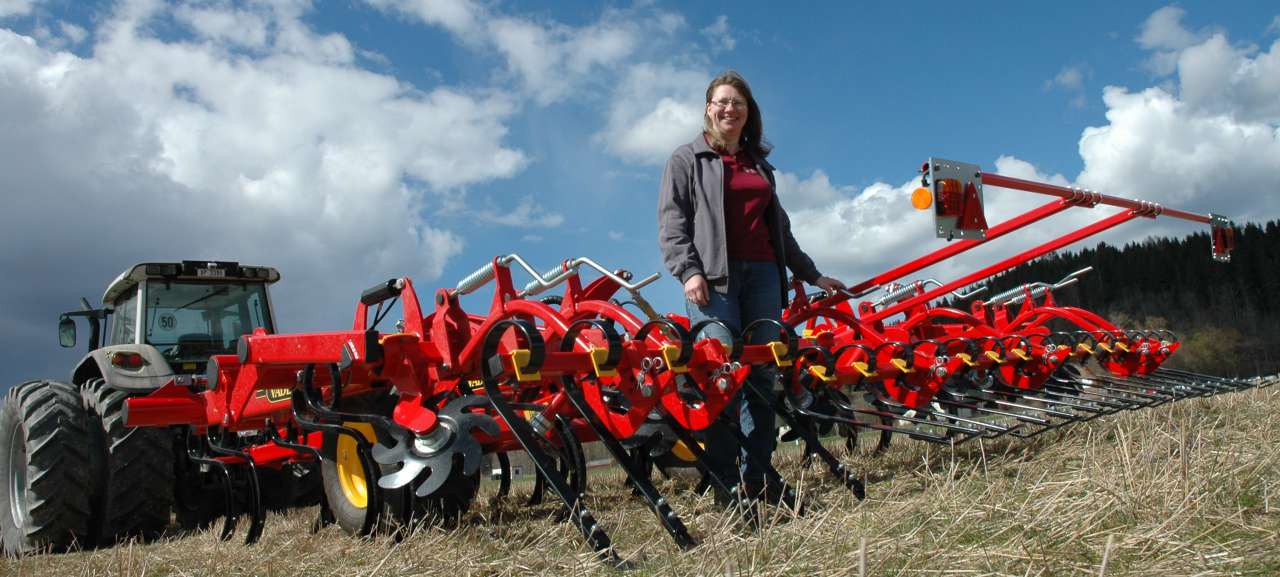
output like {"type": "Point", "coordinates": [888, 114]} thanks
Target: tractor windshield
{"type": "Point", "coordinates": [189, 321]}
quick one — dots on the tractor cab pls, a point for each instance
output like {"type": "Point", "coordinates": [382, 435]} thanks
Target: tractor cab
{"type": "Point", "coordinates": [176, 313]}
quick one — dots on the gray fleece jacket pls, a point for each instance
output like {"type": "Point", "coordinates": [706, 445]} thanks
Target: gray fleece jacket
{"type": "Point", "coordinates": [691, 230]}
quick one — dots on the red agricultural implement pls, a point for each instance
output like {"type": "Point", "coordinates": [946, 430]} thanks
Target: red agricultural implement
{"type": "Point", "coordinates": [1015, 364]}
{"type": "Point", "coordinates": [400, 420]}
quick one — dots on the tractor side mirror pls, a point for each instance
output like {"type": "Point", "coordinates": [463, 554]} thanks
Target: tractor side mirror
{"type": "Point", "coordinates": [66, 332]}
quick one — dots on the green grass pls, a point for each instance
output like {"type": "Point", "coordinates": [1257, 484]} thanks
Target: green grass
{"type": "Point", "coordinates": [1191, 488]}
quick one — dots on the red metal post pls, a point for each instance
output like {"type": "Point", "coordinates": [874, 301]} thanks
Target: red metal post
{"type": "Point", "coordinates": [1006, 264]}
{"type": "Point", "coordinates": [992, 179]}
{"type": "Point", "coordinates": [953, 249]}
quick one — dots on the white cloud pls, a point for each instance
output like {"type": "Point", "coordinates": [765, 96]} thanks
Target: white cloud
{"type": "Point", "coordinates": [1218, 78]}
{"type": "Point", "coordinates": [1070, 78]}
{"type": "Point", "coordinates": [616, 235]}
{"type": "Point", "coordinates": [718, 36]}
{"type": "Point", "coordinates": [461, 17]}
{"type": "Point", "coordinates": [1164, 35]}
{"type": "Point", "coordinates": [290, 155]}
{"type": "Point", "coordinates": [72, 32]}
{"type": "Point", "coordinates": [815, 192]}
{"type": "Point", "coordinates": [654, 109]}
{"type": "Point", "coordinates": [551, 61]}
{"type": "Point", "coordinates": [526, 214]}
{"type": "Point", "coordinates": [232, 27]}
{"type": "Point", "coordinates": [1163, 30]}
{"type": "Point", "coordinates": [1213, 145]}
{"type": "Point", "coordinates": [1159, 148]}
{"type": "Point", "coordinates": [16, 7]}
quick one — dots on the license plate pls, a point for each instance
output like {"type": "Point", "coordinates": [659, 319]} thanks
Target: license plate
{"type": "Point", "coordinates": [211, 273]}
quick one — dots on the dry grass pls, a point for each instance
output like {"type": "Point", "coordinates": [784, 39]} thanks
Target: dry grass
{"type": "Point", "coordinates": [1187, 489]}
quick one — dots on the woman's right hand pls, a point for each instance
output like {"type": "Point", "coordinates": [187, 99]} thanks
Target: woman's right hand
{"type": "Point", "coordinates": [696, 290]}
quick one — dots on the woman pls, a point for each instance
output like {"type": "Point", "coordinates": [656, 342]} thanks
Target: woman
{"type": "Point", "coordinates": [724, 234]}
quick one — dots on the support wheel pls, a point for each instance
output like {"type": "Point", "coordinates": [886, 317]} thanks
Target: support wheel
{"type": "Point", "coordinates": [347, 481]}
{"type": "Point", "coordinates": [44, 453]}
{"type": "Point", "coordinates": [132, 469]}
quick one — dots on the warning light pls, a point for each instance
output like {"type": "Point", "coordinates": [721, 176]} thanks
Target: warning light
{"type": "Point", "coordinates": [922, 198]}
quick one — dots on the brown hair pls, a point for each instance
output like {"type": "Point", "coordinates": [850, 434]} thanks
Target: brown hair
{"type": "Point", "coordinates": [752, 132]}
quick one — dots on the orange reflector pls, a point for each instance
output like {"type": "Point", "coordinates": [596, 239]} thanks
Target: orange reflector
{"type": "Point", "coordinates": [922, 198]}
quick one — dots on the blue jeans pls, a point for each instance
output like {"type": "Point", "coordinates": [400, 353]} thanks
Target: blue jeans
{"type": "Point", "coordinates": [752, 294]}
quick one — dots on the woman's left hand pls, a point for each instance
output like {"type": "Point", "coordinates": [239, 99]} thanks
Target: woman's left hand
{"type": "Point", "coordinates": [829, 284]}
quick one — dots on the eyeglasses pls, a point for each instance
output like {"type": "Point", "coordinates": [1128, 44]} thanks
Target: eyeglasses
{"type": "Point", "coordinates": [729, 103]}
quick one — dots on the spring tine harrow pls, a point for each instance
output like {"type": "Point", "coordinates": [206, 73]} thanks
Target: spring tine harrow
{"type": "Point", "coordinates": [639, 480]}
{"type": "Point", "coordinates": [579, 515]}
{"type": "Point", "coordinates": [257, 514]}
{"type": "Point", "coordinates": [232, 510]}
{"type": "Point", "coordinates": [325, 516]}
{"type": "Point", "coordinates": [410, 416]}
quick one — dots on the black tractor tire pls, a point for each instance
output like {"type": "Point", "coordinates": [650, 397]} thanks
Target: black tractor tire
{"type": "Point", "coordinates": [133, 469]}
{"type": "Point", "coordinates": [44, 457]}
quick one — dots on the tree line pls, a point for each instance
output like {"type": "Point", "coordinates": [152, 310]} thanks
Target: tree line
{"type": "Point", "coordinates": [1227, 315]}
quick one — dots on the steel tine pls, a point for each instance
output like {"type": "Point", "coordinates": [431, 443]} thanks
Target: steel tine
{"type": "Point", "coordinates": [912, 433]}
{"type": "Point", "coordinates": [973, 407]}
{"type": "Point", "coordinates": [992, 398]}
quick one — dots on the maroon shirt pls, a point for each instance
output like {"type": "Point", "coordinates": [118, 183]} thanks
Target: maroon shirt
{"type": "Point", "coordinates": [746, 196]}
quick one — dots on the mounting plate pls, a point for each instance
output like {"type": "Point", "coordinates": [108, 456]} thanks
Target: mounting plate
{"type": "Point", "coordinates": [957, 198]}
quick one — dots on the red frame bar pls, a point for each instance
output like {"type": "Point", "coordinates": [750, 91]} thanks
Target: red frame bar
{"type": "Point", "coordinates": [1031, 217]}
{"type": "Point", "coordinates": [1006, 264]}
{"type": "Point", "coordinates": [992, 179]}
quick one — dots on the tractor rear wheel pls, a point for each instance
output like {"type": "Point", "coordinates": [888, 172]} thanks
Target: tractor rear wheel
{"type": "Point", "coordinates": [132, 469]}
{"type": "Point", "coordinates": [44, 452]}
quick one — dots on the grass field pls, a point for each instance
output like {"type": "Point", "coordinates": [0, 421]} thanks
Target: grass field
{"type": "Point", "coordinates": [1192, 488]}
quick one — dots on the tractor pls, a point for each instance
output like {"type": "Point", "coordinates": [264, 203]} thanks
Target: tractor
{"type": "Point", "coordinates": [74, 474]}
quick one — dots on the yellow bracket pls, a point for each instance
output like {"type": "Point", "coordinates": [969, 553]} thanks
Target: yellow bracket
{"type": "Point", "coordinates": [779, 350]}
{"type": "Point", "coordinates": [520, 360]}
{"type": "Point", "coordinates": [669, 355]}
{"type": "Point", "coordinates": [598, 357]}
{"type": "Point", "coordinates": [966, 359]}
{"type": "Point", "coordinates": [1063, 347]}
{"type": "Point", "coordinates": [393, 336]}
{"type": "Point", "coordinates": [1122, 347]}
{"type": "Point", "coordinates": [902, 365]}
{"type": "Point", "coordinates": [861, 367]}
{"type": "Point", "coordinates": [1085, 347]}
{"type": "Point", "coordinates": [995, 357]}
{"type": "Point", "coordinates": [1020, 354]}
{"type": "Point", "coordinates": [807, 333]}
{"type": "Point", "coordinates": [820, 372]}
{"type": "Point", "coordinates": [1105, 347]}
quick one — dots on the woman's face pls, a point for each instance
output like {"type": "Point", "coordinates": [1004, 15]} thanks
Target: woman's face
{"type": "Point", "coordinates": [728, 111]}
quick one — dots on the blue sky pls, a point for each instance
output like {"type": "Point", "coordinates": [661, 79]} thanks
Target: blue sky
{"type": "Point", "coordinates": [347, 142]}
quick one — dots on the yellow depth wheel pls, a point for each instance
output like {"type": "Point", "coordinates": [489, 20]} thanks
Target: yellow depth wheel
{"type": "Point", "coordinates": [351, 475]}
{"type": "Point", "coordinates": [682, 452]}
